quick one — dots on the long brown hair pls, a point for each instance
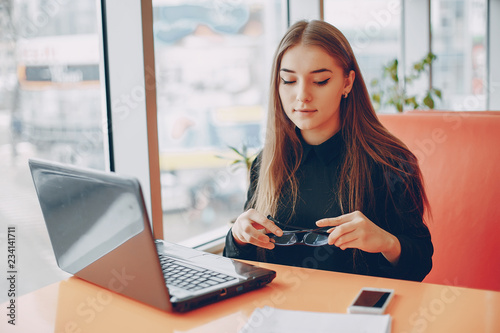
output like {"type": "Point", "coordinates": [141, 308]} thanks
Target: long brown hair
{"type": "Point", "coordinates": [366, 139]}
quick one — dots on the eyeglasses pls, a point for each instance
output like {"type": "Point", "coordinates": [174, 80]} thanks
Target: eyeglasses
{"type": "Point", "coordinates": [309, 237]}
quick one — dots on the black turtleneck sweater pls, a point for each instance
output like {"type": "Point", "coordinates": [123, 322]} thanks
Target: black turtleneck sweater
{"type": "Point", "coordinates": [392, 209]}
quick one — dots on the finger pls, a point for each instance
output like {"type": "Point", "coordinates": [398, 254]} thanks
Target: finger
{"type": "Point", "coordinates": [352, 244]}
{"type": "Point", "coordinates": [265, 245]}
{"type": "Point", "coordinates": [334, 221]}
{"type": "Point", "coordinates": [328, 222]}
{"type": "Point", "coordinates": [346, 238]}
{"type": "Point", "coordinates": [257, 226]}
{"type": "Point", "coordinates": [260, 240]}
{"type": "Point", "coordinates": [339, 232]}
{"type": "Point", "coordinates": [272, 228]}
{"type": "Point", "coordinates": [257, 238]}
{"type": "Point", "coordinates": [251, 228]}
{"type": "Point", "coordinates": [268, 225]}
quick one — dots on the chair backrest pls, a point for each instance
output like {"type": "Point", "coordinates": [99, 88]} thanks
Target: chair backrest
{"type": "Point", "coordinates": [459, 155]}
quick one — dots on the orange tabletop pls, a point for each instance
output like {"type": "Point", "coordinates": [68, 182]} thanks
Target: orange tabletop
{"type": "Point", "coordinates": [74, 306]}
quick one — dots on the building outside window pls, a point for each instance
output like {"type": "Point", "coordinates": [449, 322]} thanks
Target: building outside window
{"type": "Point", "coordinates": [458, 38]}
{"type": "Point", "coordinates": [213, 68]}
{"type": "Point", "coordinates": [50, 108]}
{"type": "Point", "coordinates": [459, 31]}
{"type": "Point", "coordinates": [373, 28]}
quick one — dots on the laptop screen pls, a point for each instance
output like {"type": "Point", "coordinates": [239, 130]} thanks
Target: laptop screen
{"type": "Point", "coordinates": [86, 216]}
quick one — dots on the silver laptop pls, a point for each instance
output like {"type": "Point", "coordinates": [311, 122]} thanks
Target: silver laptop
{"type": "Point", "coordinates": [100, 231]}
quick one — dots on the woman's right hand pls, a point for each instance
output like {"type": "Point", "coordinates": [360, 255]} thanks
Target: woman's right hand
{"type": "Point", "coordinates": [251, 227]}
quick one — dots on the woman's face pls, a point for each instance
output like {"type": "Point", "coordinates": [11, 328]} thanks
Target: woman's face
{"type": "Point", "coordinates": [311, 87]}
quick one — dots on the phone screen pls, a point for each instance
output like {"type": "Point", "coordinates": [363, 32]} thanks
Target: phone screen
{"type": "Point", "coordinates": [370, 298]}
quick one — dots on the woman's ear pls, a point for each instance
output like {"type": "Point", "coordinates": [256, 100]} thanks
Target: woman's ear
{"type": "Point", "coordinates": [349, 81]}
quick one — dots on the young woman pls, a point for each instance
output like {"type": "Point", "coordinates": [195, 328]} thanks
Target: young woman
{"type": "Point", "coordinates": [329, 163]}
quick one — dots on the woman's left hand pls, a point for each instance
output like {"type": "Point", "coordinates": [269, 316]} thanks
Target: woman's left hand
{"type": "Point", "coordinates": [355, 230]}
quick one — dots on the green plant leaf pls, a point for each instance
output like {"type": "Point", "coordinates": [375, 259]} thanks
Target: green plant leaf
{"type": "Point", "coordinates": [438, 93]}
{"type": "Point", "coordinates": [412, 101]}
{"type": "Point", "coordinates": [392, 70]}
{"type": "Point", "coordinates": [399, 106]}
{"type": "Point", "coordinates": [418, 67]}
{"type": "Point", "coordinates": [428, 101]}
{"type": "Point", "coordinates": [236, 151]}
{"type": "Point", "coordinates": [389, 93]}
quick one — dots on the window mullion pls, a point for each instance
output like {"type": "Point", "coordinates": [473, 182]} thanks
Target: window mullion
{"type": "Point", "coordinates": [131, 94]}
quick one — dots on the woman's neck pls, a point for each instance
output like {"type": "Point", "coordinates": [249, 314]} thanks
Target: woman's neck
{"type": "Point", "coordinates": [316, 137]}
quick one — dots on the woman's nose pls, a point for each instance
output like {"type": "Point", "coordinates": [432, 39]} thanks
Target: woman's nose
{"type": "Point", "coordinates": [303, 94]}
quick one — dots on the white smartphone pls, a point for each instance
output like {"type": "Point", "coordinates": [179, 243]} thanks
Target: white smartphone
{"type": "Point", "coordinates": [371, 301]}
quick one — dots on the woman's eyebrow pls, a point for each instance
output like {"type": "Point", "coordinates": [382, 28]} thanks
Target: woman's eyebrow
{"type": "Point", "coordinates": [321, 71]}
{"type": "Point", "coordinates": [312, 72]}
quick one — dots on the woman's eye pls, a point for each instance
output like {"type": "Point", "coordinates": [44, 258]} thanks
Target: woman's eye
{"type": "Point", "coordinates": [287, 82]}
{"type": "Point", "coordinates": [322, 83]}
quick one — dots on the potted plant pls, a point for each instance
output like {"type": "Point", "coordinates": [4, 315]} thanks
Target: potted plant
{"type": "Point", "coordinates": [389, 90]}
{"type": "Point", "coordinates": [243, 158]}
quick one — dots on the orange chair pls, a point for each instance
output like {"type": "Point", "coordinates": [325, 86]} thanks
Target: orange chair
{"type": "Point", "coordinates": [459, 155]}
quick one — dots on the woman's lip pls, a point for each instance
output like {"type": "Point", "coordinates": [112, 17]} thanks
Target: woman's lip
{"type": "Point", "coordinates": [304, 110]}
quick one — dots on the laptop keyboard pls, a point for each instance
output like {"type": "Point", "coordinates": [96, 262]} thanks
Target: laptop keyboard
{"type": "Point", "coordinates": [185, 276]}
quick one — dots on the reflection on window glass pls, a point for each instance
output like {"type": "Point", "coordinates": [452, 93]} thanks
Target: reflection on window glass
{"type": "Point", "coordinates": [459, 41]}
{"type": "Point", "coordinates": [372, 27]}
{"type": "Point", "coordinates": [213, 68]}
{"type": "Point", "coordinates": [49, 108]}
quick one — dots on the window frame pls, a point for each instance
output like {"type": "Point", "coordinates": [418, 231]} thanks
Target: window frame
{"type": "Point", "coordinates": [493, 67]}
{"type": "Point", "coordinates": [130, 100]}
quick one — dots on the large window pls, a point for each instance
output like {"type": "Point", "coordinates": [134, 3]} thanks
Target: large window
{"type": "Point", "coordinates": [50, 108]}
{"type": "Point", "coordinates": [459, 39]}
{"type": "Point", "coordinates": [456, 31]}
{"type": "Point", "coordinates": [213, 68]}
{"type": "Point", "coordinates": [372, 27]}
